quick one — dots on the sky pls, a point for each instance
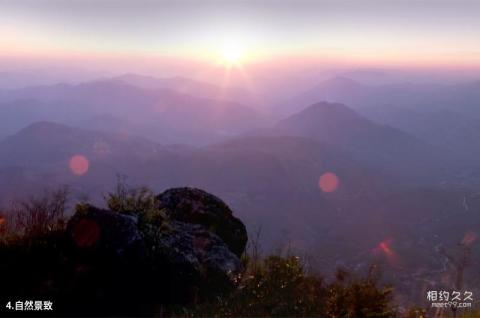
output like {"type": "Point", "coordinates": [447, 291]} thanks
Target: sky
{"type": "Point", "coordinates": [373, 32]}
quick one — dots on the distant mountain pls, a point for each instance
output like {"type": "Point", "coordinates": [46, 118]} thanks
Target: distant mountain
{"type": "Point", "coordinates": [444, 116]}
{"type": "Point", "coordinates": [258, 175]}
{"type": "Point", "coordinates": [337, 124]}
{"type": "Point", "coordinates": [269, 172]}
{"type": "Point", "coordinates": [179, 84]}
{"type": "Point", "coordinates": [48, 142]}
{"type": "Point", "coordinates": [40, 157]}
{"type": "Point", "coordinates": [276, 166]}
{"type": "Point", "coordinates": [163, 115]}
{"type": "Point", "coordinates": [191, 87]}
{"type": "Point", "coordinates": [463, 98]}
{"type": "Point", "coordinates": [273, 182]}
{"type": "Point", "coordinates": [447, 129]}
{"type": "Point", "coordinates": [337, 89]}
{"type": "Point", "coordinates": [389, 150]}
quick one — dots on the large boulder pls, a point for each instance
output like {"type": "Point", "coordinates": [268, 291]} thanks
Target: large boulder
{"type": "Point", "coordinates": [199, 260]}
{"type": "Point", "coordinates": [195, 206]}
{"type": "Point", "coordinates": [110, 232]}
{"type": "Point", "coordinates": [113, 257]}
{"type": "Point", "coordinates": [106, 259]}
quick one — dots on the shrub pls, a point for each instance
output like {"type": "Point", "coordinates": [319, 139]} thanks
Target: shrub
{"type": "Point", "coordinates": [351, 297]}
{"type": "Point", "coordinates": [415, 312]}
{"type": "Point", "coordinates": [140, 202]}
{"type": "Point", "coordinates": [278, 286]}
{"type": "Point", "coordinates": [35, 216]}
{"type": "Point", "coordinates": [273, 286]}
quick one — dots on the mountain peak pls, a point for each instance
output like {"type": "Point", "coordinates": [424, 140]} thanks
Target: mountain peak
{"type": "Point", "coordinates": [41, 127]}
{"type": "Point", "coordinates": [325, 112]}
{"type": "Point", "coordinates": [327, 108]}
{"type": "Point", "coordinates": [326, 122]}
{"type": "Point", "coordinates": [341, 82]}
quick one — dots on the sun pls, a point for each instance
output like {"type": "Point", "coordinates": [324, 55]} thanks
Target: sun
{"type": "Point", "coordinates": [231, 54]}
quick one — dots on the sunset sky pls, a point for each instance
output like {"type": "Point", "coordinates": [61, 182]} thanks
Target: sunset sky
{"type": "Point", "coordinates": [382, 31]}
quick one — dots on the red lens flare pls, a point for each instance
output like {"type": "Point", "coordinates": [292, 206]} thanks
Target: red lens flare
{"type": "Point", "coordinates": [78, 165]}
{"type": "Point", "coordinates": [385, 248]}
{"type": "Point", "coordinates": [328, 182]}
{"type": "Point", "coordinates": [469, 238]}
{"type": "Point", "coordinates": [86, 233]}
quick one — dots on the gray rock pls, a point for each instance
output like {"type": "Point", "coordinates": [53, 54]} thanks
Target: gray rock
{"type": "Point", "coordinates": [177, 259]}
{"type": "Point", "coordinates": [195, 206]}
{"type": "Point", "coordinates": [111, 232]}
{"type": "Point", "coordinates": [201, 250]}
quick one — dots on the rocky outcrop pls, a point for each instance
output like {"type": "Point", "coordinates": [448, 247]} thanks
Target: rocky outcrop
{"type": "Point", "coordinates": [192, 253]}
{"type": "Point", "coordinates": [195, 206]}
{"type": "Point", "coordinates": [198, 258]}
{"type": "Point", "coordinates": [111, 232]}
{"type": "Point", "coordinates": [165, 256]}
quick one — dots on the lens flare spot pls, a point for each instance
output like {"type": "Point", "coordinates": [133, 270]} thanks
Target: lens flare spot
{"type": "Point", "coordinates": [385, 248]}
{"type": "Point", "coordinates": [469, 238]}
{"type": "Point", "coordinates": [78, 165]}
{"type": "Point", "coordinates": [86, 233]}
{"type": "Point", "coordinates": [328, 182]}
{"type": "Point", "coordinates": [2, 221]}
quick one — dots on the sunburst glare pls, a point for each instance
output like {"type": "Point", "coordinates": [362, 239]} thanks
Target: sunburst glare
{"type": "Point", "coordinates": [231, 53]}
